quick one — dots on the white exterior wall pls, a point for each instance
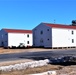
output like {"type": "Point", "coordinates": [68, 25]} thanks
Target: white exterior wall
{"type": "Point", "coordinates": [37, 36]}
{"type": "Point", "coordinates": [14, 39]}
{"type": "Point", "coordinates": [63, 37]}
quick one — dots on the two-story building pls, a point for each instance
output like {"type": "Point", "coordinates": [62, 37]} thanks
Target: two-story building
{"type": "Point", "coordinates": [54, 35]}
{"type": "Point", "coordinates": [15, 37]}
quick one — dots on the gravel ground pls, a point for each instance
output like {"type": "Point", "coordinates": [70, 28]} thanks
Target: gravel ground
{"type": "Point", "coordinates": [6, 63]}
{"type": "Point", "coordinates": [4, 51]}
{"type": "Point", "coordinates": [61, 70]}
{"type": "Point", "coordinates": [68, 70]}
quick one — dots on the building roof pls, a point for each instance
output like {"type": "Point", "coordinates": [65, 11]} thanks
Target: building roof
{"type": "Point", "coordinates": [60, 26]}
{"type": "Point", "coordinates": [17, 31]}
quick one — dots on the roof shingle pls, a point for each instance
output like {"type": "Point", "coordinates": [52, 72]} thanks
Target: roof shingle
{"type": "Point", "coordinates": [60, 26]}
{"type": "Point", "coordinates": [17, 31]}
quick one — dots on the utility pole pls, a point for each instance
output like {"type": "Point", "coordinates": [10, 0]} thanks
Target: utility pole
{"type": "Point", "coordinates": [54, 20]}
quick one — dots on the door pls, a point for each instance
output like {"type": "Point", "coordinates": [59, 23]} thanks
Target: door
{"type": "Point", "coordinates": [41, 42]}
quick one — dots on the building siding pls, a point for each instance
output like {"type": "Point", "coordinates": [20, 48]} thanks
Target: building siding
{"type": "Point", "coordinates": [3, 38]}
{"type": "Point", "coordinates": [63, 37]}
{"type": "Point", "coordinates": [43, 39]}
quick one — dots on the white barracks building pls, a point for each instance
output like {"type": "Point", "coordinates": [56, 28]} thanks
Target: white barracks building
{"type": "Point", "coordinates": [15, 37]}
{"type": "Point", "coordinates": [54, 35]}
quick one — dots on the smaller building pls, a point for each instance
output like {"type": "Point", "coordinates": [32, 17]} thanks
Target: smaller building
{"type": "Point", "coordinates": [15, 37]}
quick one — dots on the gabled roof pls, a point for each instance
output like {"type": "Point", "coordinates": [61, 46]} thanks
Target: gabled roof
{"type": "Point", "coordinates": [17, 31]}
{"type": "Point", "coordinates": [60, 26]}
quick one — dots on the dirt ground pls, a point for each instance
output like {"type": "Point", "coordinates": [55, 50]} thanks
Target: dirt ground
{"type": "Point", "coordinates": [32, 70]}
{"type": "Point", "coordinates": [6, 63]}
{"type": "Point", "coordinates": [3, 51]}
{"type": "Point", "coordinates": [61, 70]}
{"type": "Point", "coordinates": [67, 70]}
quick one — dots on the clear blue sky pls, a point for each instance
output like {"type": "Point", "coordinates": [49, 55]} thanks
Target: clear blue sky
{"type": "Point", "coordinates": [27, 14]}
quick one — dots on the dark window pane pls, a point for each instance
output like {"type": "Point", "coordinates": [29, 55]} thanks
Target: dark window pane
{"type": "Point", "coordinates": [47, 29]}
{"type": "Point", "coordinates": [47, 39]}
{"type": "Point", "coordinates": [41, 32]}
{"type": "Point", "coordinates": [28, 35]}
{"type": "Point", "coordinates": [72, 40]}
{"type": "Point", "coordinates": [72, 32]}
{"type": "Point", "coordinates": [27, 42]}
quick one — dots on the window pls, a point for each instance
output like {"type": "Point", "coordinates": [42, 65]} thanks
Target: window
{"type": "Point", "coordinates": [72, 32]}
{"type": "Point", "coordinates": [34, 44]}
{"type": "Point", "coordinates": [41, 40]}
{"type": "Point", "coordinates": [48, 39]}
{"type": "Point", "coordinates": [5, 34]}
{"type": "Point", "coordinates": [41, 32]}
{"type": "Point", "coordinates": [72, 40]}
{"type": "Point", "coordinates": [47, 29]}
{"type": "Point", "coordinates": [28, 35]}
{"type": "Point", "coordinates": [27, 42]}
{"type": "Point", "coordinates": [2, 36]}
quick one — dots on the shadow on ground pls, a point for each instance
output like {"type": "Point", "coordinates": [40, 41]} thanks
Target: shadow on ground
{"type": "Point", "coordinates": [64, 61]}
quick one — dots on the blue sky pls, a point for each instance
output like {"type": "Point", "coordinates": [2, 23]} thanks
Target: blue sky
{"type": "Point", "coordinates": [27, 14]}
